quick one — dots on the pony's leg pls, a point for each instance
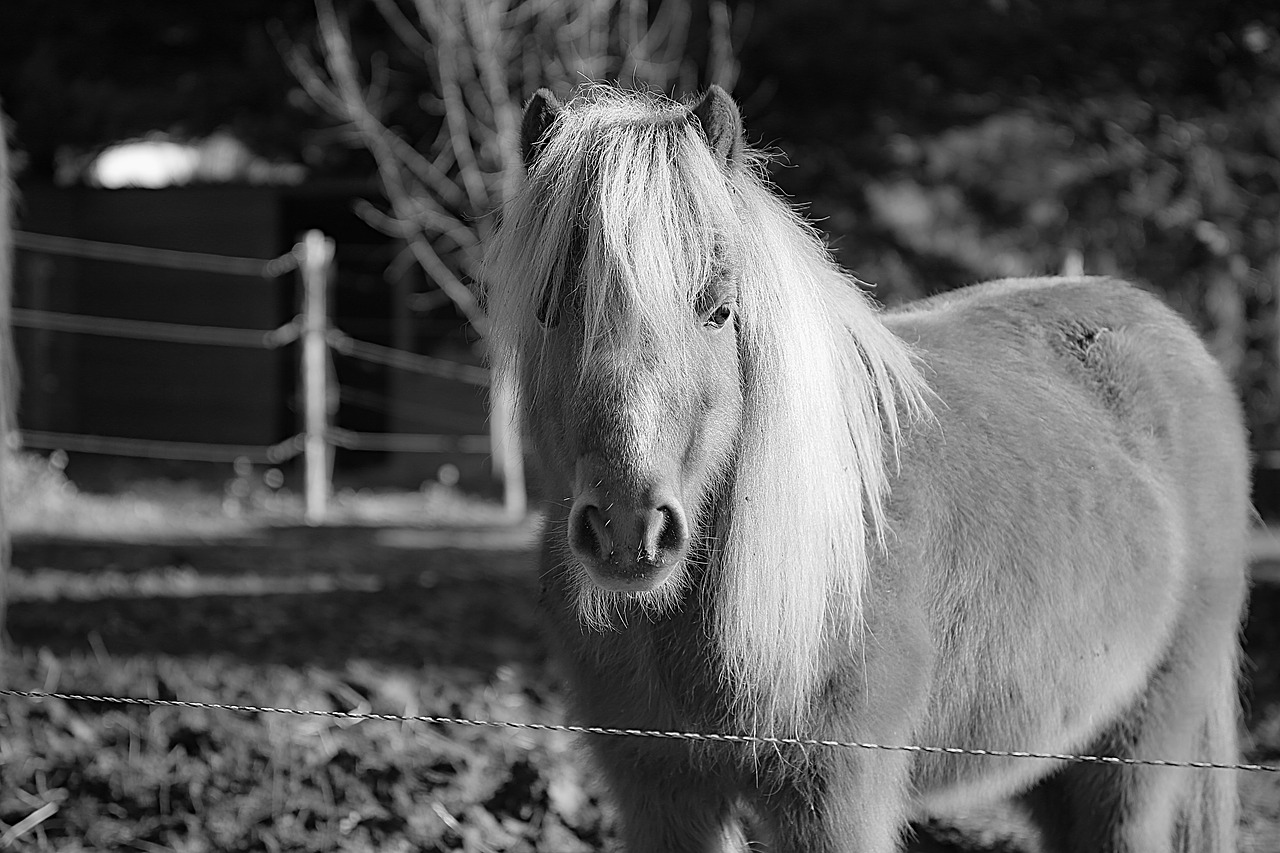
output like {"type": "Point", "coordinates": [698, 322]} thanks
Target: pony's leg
{"type": "Point", "coordinates": [855, 803]}
{"type": "Point", "coordinates": [1209, 819]}
{"type": "Point", "coordinates": [670, 807]}
{"type": "Point", "coordinates": [1189, 713]}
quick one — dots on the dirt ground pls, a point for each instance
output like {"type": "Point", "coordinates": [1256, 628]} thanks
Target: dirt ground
{"type": "Point", "coordinates": [444, 615]}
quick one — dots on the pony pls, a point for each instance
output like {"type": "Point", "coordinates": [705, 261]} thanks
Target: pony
{"type": "Point", "coordinates": [1011, 517]}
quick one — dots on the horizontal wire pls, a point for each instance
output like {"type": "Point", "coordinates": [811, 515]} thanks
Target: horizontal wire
{"type": "Point", "coordinates": [150, 330]}
{"type": "Point", "coordinates": [408, 442]}
{"type": "Point", "coordinates": [53, 244]}
{"type": "Point", "coordinates": [649, 733]}
{"type": "Point", "coordinates": [273, 454]}
{"type": "Point", "coordinates": [349, 346]}
{"type": "Point", "coordinates": [187, 451]}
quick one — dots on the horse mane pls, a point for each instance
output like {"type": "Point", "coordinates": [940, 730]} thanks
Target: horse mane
{"type": "Point", "coordinates": [617, 198]}
{"type": "Point", "coordinates": [626, 211]}
{"type": "Point", "coordinates": [827, 385]}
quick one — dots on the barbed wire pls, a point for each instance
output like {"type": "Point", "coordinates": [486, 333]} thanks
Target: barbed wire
{"type": "Point", "coordinates": [53, 244]}
{"type": "Point", "coordinates": [186, 451]}
{"type": "Point", "coordinates": [762, 740]}
{"type": "Point", "coordinates": [151, 330]}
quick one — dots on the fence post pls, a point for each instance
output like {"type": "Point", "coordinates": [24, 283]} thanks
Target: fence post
{"type": "Point", "coordinates": [506, 448]}
{"type": "Point", "coordinates": [316, 261]}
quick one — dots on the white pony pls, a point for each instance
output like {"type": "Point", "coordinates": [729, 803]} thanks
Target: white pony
{"type": "Point", "coordinates": [1009, 518]}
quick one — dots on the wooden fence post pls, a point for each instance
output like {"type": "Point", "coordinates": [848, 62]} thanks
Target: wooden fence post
{"type": "Point", "coordinates": [316, 264]}
{"type": "Point", "coordinates": [505, 445]}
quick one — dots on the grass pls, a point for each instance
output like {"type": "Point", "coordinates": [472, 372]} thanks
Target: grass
{"type": "Point", "coordinates": [179, 591]}
{"type": "Point", "coordinates": [125, 778]}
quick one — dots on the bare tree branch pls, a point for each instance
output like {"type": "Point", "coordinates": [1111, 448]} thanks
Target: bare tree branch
{"type": "Point", "coordinates": [405, 31]}
{"type": "Point", "coordinates": [341, 66]}
{"type": "Point", "coordinates": [451, 57]}
{"type": "Point", "coordinates": [338, 93]}
{"type": "Point", "coordinates": [481, 58]}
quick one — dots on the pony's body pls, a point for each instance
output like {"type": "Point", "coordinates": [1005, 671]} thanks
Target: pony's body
{"type": "Point", "coordinates": [1073, 520]}
{"type": "Point", "coordinates": [1052, 562]}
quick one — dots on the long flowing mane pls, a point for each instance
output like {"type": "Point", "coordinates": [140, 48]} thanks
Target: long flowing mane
{"type": "Point", "coordinates": [627, 211]}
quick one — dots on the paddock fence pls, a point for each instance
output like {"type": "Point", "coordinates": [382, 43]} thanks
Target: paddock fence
{"type": "Point", "coordinates": [318, 340]}
{"type": "Point", "coordinates": [659, 734]}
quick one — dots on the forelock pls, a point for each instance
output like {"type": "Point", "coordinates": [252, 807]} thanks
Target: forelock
{"type": "Point", "coordinates": [640, 210]}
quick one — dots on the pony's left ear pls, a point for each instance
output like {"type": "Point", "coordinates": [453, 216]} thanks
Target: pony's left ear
{"type": "Point", "coordinates": [538, 116]}
{"type": "Point", "coordinates": [721, 124]}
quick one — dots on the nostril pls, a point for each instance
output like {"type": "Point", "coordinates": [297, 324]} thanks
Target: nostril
{"type": "Point", "coordinates": [675, 534]}
{"type": "Point", "coordinates": [589, 532]}
{"type": "Point", "coordinates": [600, 531]}
{"type": "Point", "coordinates": [665, 536]}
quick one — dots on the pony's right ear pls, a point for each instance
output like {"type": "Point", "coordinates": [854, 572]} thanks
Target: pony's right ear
{"type": "Point", "coordinates": [721, 124]}
{"type": "Point", "coordinates": [538, 116]}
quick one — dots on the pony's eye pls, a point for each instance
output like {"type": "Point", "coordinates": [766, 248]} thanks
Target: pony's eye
{"type": "Point", "coordinates": [719, 317]}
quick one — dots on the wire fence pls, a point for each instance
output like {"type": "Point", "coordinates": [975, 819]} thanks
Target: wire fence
{"type": "Point", "coordinates": [319, 435]}
{"type": "Point", "coordinates": [706, 737]}
{"type": "Point", "coordinates": [378, 354]}
{"type": "Point", "coordinates": [75, 247]}
{"type": "Point", "coordinates": [180, 451]}
{"type": "Point", "coordinates": [149, 330]}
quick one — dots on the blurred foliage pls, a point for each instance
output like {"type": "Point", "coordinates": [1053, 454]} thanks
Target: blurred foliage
{"type": "Point", "coordinates": [82, 75]}
{"type": "Point", "coordinates": [945, 143]}
{"type": "Point", "coordinates": [938, 142]}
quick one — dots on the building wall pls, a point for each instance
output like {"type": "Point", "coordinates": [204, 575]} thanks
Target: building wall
{"type": "Point", "coordinates": [141, 389]}
{"type": "Point", "coordinates": [93, 385]}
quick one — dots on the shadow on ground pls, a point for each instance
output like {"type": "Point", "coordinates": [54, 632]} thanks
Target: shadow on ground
{"type": "Point", "coordinates": [299, 597]}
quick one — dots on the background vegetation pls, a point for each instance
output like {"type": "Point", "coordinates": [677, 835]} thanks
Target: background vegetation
{"type": "Point", "coordinates": [943, 143]}
{"type": "Point", "coordinates": [938, 143]}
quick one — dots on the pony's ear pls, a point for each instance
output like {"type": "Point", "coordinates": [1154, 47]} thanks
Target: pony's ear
{"type": "Point", "coordinates": [721, 124]}
{"type": "Point", "coordinates": [538, 116]}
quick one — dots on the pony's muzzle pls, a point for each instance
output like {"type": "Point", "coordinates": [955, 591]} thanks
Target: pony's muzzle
{"type": "Point", "coordinates": [628, 549]}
